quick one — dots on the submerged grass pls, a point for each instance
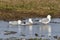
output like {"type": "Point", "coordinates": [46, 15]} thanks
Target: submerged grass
{"type": "Point", "coordinates": [19, 9]}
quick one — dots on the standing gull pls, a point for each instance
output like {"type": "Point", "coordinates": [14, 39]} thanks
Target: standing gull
{"type": "Point", "coordinates": [30, 21]}
{"type": "Point", "coordinates": [46, 20]}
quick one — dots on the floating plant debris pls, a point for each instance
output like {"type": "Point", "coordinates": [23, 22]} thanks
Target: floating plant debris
{"type": "Point", "coordinates": [9, 32]}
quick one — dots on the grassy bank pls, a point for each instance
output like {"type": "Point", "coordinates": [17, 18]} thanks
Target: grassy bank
{"type": "Point", "coordinates": [20, 9]}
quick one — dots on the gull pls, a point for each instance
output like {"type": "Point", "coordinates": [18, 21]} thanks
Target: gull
{"type": "Point", "coordinates": [19, 21]}
{"type": "Point", "coordinates": [46, 20]}
{"type": "Point", "coordinates": [15, 22]}
{"type": "Point", "coordinates": [30, 21]}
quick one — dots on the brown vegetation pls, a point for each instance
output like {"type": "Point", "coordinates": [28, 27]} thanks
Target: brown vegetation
{"type": "Point", "coordinates": [20, 9]}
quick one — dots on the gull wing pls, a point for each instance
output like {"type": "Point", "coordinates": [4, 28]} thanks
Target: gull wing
{"type": "Point", "coordinates": [44, 20]}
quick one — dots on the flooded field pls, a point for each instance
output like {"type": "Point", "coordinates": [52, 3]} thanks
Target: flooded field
{"type": "Point", "coordinates": [50, 31]}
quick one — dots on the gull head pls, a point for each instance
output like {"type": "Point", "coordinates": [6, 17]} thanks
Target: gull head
{"type": "Point", "coordinates": [19, 21]}
{"type": "Point", "coordinates": [48, 16]}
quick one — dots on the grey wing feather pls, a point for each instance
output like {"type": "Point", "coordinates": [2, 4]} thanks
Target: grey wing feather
{"type": "Point", "coordinates": [44, 20]}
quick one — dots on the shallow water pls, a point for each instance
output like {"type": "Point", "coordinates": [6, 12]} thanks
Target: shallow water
{"type": "Point", "coordinates": [42, 30]}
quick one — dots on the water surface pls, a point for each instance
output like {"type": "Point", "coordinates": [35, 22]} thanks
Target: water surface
{"type": "Point", "coordinates": [42, 30]}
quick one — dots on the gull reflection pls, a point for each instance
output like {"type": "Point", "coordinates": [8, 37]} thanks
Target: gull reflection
{"type": "Point", "coordinates": [19, 29]}
{"type": "Point", "coordinates": [44, 29]}
{"type": "Point", "coordinates": [30, 30]}
{"type": "Point", "coordinates": [49, 31]}
{"type": "Point", "coordinates": [22, 34]}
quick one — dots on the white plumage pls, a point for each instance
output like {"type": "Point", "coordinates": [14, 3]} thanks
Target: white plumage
{"type": "Point", "coordinates": [46, 20]}
{"type": "Point", "coordinates": [30, 20]}
{"type": "Point", "coordinates": [15, 22]}
{"type": "Point", "coordinates": [19, 22]}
